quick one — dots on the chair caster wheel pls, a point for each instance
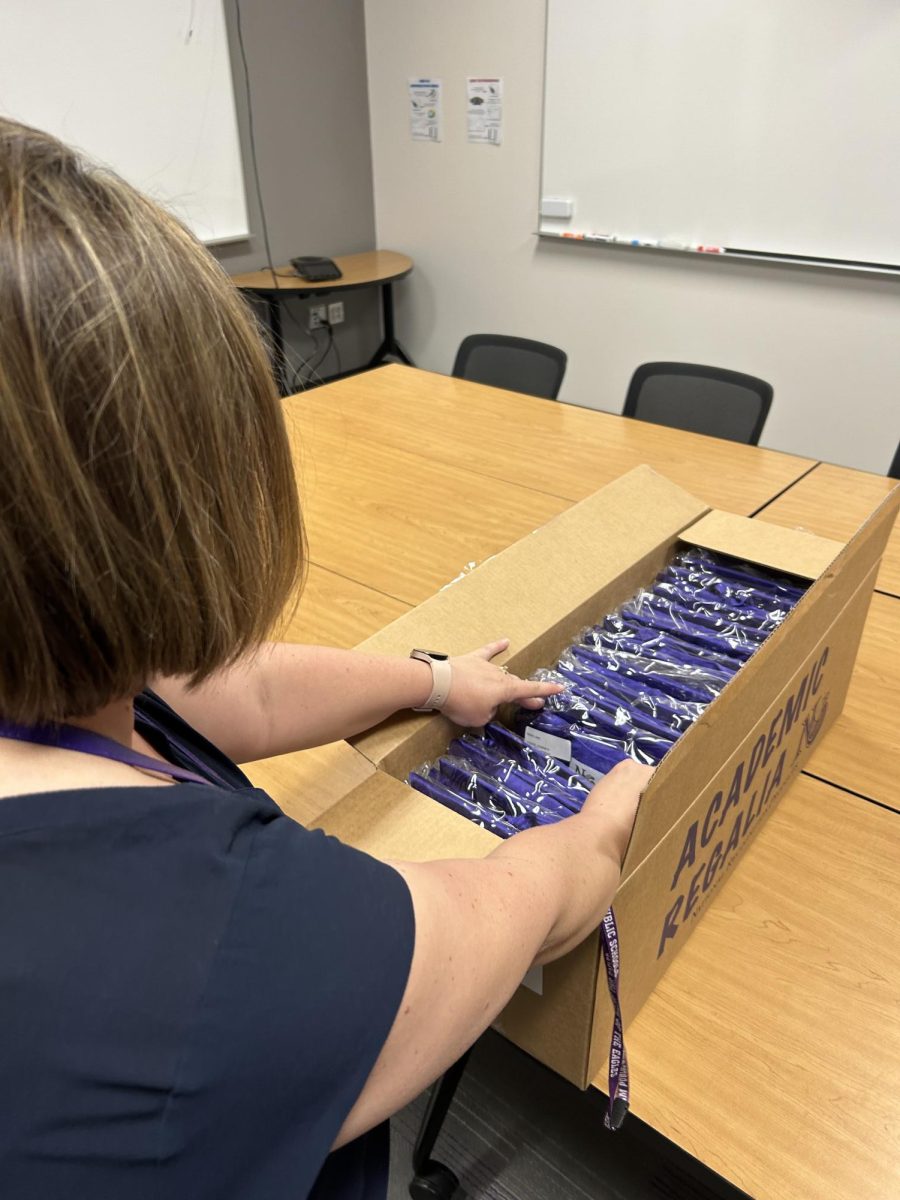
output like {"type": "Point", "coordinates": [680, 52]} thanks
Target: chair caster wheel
{"type": "Point", "coordinates": [433, 1182]}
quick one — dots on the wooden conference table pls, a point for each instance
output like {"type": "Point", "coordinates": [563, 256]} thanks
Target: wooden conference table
{"type": "Point", "coordinates": [770, 1051]}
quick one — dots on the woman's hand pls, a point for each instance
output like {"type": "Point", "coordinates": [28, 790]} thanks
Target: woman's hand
{"type": "Point", "coordinates": [482, 922]}
{"type": "Point", "coordinates": [613, 803]}
{"type": "Point", "coordinates": [478, 687]}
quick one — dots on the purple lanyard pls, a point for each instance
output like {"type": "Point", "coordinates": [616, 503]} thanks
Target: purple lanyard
{"type": "Point", "coordinates": [70, 737]}
{"type": "Point", "coordinates": [618, 1059]}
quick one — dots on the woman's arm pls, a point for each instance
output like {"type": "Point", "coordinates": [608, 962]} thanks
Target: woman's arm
{"type": "Point", "coordinates": [480, 924]}
{"type": "Point", "coordinates": [287, 697]}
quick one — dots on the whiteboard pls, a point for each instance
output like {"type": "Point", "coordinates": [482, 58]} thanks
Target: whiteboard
{"type": "Point", "coordinates": [143, 86]}
{"type": "Point", "coordinates": [770, 126]}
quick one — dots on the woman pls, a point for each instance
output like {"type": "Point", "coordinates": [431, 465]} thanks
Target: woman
{"type": "Point", "coordinates": [198, 997]}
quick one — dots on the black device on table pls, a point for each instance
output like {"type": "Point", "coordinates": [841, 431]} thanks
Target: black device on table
{"type": "Point", "coordinates": [316, 270]}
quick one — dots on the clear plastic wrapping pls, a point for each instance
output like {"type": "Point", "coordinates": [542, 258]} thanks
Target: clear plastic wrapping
{"type": "Point", "coordinates": [502, 783]}
{"type": "Point", "coordinates": [544, 784]}
{"type": "Point", "coordinates": [589, 750]}
{"type": "Point", "coordinates": [681, 680]}
{"type": "Point", "coordinates": [703, 608]}
{"type": "Point", "coordinates": [503, 742]}
{"type": "Point", "coordinates": [509, 797]}
{"type": "Point", "coordinates": [601, 721]}
{"type": "Point", "coordinates": [633, 684]}
{"type": "Point", "coordinates": [617, 706]}
{"type": "Point", "coordinates": [729, 579]}
{"type": "Point", "coordinates": [643, 701]}
{"type": "Point", "coordinates": [683, 643]}
{"type": "Point", "coordinates": [715, 632]}
{"type": "Point", "coordinates": [427, 780]}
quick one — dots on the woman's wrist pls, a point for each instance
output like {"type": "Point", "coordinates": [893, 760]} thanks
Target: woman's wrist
{"type": "Point", "coordinates": [610, 833]}
{"type": "Point", "coordinates": [441, 679]}
{"type": "Point", "coordinates": [416, 682]}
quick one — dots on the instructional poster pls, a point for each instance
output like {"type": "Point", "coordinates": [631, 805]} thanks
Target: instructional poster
{"type": "Point", "coordinates": [484, 105]}
{"type": "Point", "coordinates": [425, 110]}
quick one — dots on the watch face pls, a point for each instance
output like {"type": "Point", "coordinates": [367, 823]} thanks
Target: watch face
{"type": "Point", "coordinates": [432, 654]}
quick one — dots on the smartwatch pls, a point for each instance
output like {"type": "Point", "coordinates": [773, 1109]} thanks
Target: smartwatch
{"type": "Point", "coordinates": [441, 673]}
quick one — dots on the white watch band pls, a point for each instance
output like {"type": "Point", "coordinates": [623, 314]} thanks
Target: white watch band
{"type": "Point", "coordinates": [441, 676]}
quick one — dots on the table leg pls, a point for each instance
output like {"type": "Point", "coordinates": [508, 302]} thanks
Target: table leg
{"type": "Point", "coordinates": [279, 361]}
{"type": "Point", "coordinates": [389, 344]}
{"type": "Point", "coordinates": [432, 1179]}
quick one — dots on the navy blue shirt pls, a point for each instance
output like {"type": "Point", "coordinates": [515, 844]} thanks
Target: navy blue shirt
{"type": "Point", "coordinates": [193, 991]}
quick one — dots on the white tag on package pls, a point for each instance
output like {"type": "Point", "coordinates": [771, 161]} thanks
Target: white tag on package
{"type": "Point", "coordinates": [534, 980]}
{"type": "Point", "coordinates": [556, 747]}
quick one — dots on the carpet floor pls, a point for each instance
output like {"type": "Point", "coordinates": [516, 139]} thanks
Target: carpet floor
{"type": "Point", "coordinates": [516, 1131]}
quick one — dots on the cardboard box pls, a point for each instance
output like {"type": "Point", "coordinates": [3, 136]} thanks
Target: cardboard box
{"type": "Point", "coordinates": [714, 789]}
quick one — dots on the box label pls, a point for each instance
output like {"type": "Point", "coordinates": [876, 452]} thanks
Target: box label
{"type": "Point", "coordinates": [711, 843]}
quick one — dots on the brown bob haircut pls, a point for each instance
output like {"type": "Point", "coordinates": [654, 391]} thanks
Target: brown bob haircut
{"type": "Point", "coordinates": [149, 522]}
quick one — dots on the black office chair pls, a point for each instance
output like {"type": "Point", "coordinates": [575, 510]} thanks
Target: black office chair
{"type": "Point", "coordinates": [517, 364]}
{"type": "Point", "coordinates": [894, 468]}
{"type": "Point", "coordinates": [711, 400]}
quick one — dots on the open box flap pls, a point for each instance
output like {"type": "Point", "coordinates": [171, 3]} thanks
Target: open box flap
{"type": "Point", "coordinates": [530, 586]}
{"type": "Point", "coordinates": [391, 820]}
{"type": "Point", "coordinates": [755, 540]}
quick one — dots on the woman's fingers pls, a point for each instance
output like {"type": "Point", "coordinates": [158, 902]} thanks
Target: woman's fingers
{"type": "Point", "coordinates": [492, 649]}
{"type": "Point", "coordinates": [534, 687]}
{"type": "Point", "coordinates": [531, 694]}
{"type": "Point", "coordinates": [479, 687]}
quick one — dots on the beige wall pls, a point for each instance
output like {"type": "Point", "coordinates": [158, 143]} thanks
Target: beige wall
{"type": "Point", "coordinates": [828, 342]}
{"type": "Point", "coordinates": [307, 64]}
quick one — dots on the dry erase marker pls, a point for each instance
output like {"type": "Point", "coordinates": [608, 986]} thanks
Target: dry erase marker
{"type": "Point", "coordinates": [624, 240]}
{"type": "Point", "coordinates": [710, 249]}
{"type": "Point", "coordinates": [577, 236]}
{"type": "Point", "coordinates": [674, 242]}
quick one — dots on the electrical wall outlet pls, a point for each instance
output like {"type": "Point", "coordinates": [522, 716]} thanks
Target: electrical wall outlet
{"type": "Point", "coordinates": [317, 317]}
{"type": "Point", "coordinates": [335, 312]}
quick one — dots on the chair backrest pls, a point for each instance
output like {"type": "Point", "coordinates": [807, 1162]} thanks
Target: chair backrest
{"type": "Point", "coordinates": [894, 468]}
{"type": "Point", "coordinates": [711, 400]}
{"type": "Point", "coordinates": [517, 364]}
